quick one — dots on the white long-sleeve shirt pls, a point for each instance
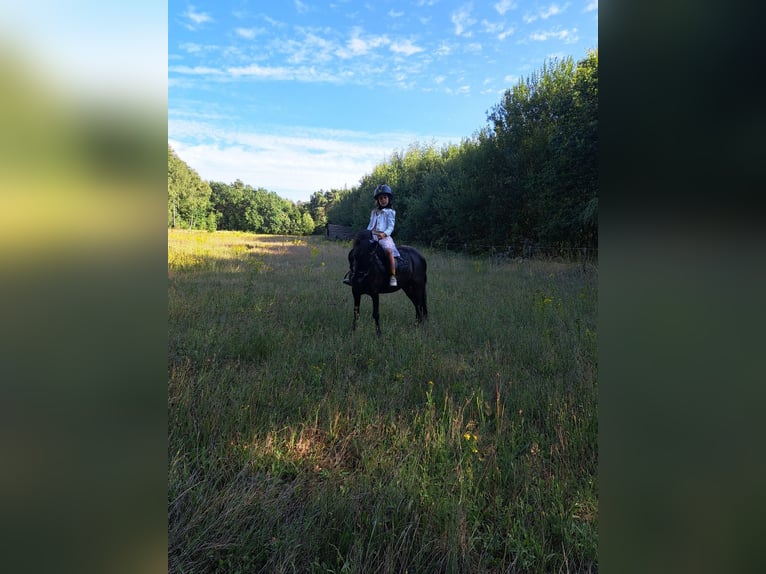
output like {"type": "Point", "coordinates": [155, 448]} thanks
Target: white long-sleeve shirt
{"type": "Point", "coordinates": [382, 220]}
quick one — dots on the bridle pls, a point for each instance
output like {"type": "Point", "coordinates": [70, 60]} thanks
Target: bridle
{"type": "Point", "coordinates": [371, 255]}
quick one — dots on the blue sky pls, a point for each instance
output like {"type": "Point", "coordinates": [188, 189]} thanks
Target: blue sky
{"type": "Point", "coordinates": [302, 95]}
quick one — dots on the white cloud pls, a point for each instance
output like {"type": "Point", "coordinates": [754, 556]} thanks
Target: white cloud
{"type": "Point", "coordinates": [359, 46]}
{"type": "Point", "coordinates": [504, 5]}
{"type": "Point", "coordinates": [274, 23]}
{"type": "Point", "coordinates": [283, 73]}
{"type": "Point", "coordinates": [195, 70]}
{"type": "Point", "coordinates": [312, 48]}
{"type": "Point", "coordinates": [265, 72]}
{"type": "Point", "coordinates": [294, 163]}
{"type": "Point", "coordinates": [462, 19]}
{"type": "Point", "coordinates": [248, 33]}
{"type": "Point", "coordinates": [443, 49]}
{"type": "Point", "coordinates": [505, 33]}
{"type": "Point", "coordinates": [401, 79]}
{"type": "Point", "coordinates": [194, 18]}
{"type": "Point", "coordinates": [544, 13]}
{"type": "Point", "coordinates": [393, 14]}
{"type": "Point", "coordinates": [492, 27]}
{"type": "Point", "coordinates": [461, 90]}
{"type": "Point", "coordinates": [192, 48]}
{"type": "Point", "coordinates": [552, 10]}
{"type": "Point", "coordinates": [567, 36]}
{"type": "Point", "coordinates": [473, 48]}
{"type": "Point", "coordinates": [405, 47]}
{"type": "Point", "coordinates": [591, 6]}
{"type": "Point", "coordinates": [497, 29]}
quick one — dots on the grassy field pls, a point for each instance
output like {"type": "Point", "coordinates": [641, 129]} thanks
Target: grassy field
{"type": "Point", "coordinates": [468, 444]}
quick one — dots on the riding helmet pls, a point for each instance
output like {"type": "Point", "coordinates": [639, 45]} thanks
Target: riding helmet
{"type": "Point", "coordinates": [381, 189]}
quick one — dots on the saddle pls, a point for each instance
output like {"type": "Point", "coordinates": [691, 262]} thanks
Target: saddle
{"type": "Point", "coordinates": [402, 264]}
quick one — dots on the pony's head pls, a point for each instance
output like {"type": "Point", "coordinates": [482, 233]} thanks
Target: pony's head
{"type": "Point", "coordinates": [363, 257]}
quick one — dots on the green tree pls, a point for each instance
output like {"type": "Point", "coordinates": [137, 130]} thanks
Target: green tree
{"type": "Point", "coordinates": [317, 208]}
{"type": "Point", "coordinates": [307, 224]}
{"type": "Point", "coordinates": [188, 195]}
{"type": "Point", "coordinates": [228, 202]}
{"type": "Point", "coordinates": [177, 180]}
{"type": "Point", "coordinates": [544, 133]}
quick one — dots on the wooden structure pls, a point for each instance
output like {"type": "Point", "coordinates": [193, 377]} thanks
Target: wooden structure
{"type": "Point", "coordinates": [339, 232]}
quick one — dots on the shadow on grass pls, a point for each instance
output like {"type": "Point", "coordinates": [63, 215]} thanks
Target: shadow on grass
{"type": "Point", "coordinates": [295, 444]}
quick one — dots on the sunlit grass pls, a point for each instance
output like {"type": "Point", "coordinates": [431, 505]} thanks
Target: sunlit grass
{"type": "Point", "coordinates": [466, 445]}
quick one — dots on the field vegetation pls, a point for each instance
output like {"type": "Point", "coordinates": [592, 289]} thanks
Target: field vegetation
{"type": "Point", "coordinates": [468, 444]}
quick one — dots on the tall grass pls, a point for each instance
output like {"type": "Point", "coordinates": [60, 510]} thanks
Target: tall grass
{"type": "Point", "coordinates": [468, 444]}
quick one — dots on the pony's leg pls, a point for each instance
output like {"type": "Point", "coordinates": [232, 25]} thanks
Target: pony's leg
{"type": "Point", "coordinates": [375, 312]}
{"type": "Point", "coordinates": [357, 301]}
{"type": "Point", "coordinates": [417, 296]}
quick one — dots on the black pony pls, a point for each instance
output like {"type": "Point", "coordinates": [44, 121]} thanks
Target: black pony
{"type": "Point", "coordinates": [370, 272]}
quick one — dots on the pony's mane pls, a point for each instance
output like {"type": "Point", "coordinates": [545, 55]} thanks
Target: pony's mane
{"type": "Point", "coordinates": [364, 236]}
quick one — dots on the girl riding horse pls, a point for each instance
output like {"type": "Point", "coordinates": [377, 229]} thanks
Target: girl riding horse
{"type": "Point", "coordinates": [382, 222]}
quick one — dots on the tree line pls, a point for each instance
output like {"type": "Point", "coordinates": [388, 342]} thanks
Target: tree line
{"type": "Point", "coordinates": [197, 204]}
{"type": "Point", "coordinates": [529, 175]}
